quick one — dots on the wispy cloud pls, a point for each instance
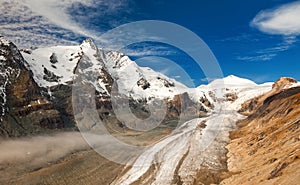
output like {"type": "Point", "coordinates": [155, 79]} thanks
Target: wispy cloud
{"type": "Point", "coordinates": [282, 21]}
{"type": "Point", "coordinates": [243, 37]}
{"type": "Point", "coordinates": [143, 50]}
{"type": "Point", "coordinates": [67, 22]}
{"type": "Point", "coordinates": [55, 12]}
{"type": "Point", "coordinates": [262, 57]}
{"type": "Point", "coordinates": [286, 44]}
{"type": "Point", "coordinates": [271, 52]}
{"type": "Point", "coordinates": [176, 76]}
{"type": "Point", "coordinates": [23, 27]}
{"type": "Point", "coordinates": [51, 22]}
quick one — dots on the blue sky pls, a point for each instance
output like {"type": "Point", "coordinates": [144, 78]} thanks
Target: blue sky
{"type": "Point", "coordinates": [251, 38]}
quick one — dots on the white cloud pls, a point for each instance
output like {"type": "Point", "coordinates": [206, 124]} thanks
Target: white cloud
{"type": "Point", "coordinates": [175, 77]}
{"type": "Point", "coordinates": [149, 50]}
{"type": "Point", "coordinates": [56, 11]}
{"type": "Point", "coordinates": [283, 20]}
{"type": "Point", "coordinates": [49, 22]}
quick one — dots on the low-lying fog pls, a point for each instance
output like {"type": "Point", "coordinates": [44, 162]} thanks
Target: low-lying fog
{"type": "Point", "coordinates": [40, 150]}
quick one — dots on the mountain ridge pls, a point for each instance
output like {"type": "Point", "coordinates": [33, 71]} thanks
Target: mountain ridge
{"type": "Point", "coordinates": [54, 69]}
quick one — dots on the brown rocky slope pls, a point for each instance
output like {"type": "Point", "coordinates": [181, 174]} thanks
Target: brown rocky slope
{"type": "Point", "coordinates": [266, 147]}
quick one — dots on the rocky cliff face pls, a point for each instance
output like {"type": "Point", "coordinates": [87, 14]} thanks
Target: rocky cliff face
{"type": "Point", "coordinates": [23, 109]}
{"type": "Point", "coordinates": [265, 149]}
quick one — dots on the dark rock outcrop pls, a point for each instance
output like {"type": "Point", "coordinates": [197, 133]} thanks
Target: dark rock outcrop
{"type": "Point", "coordinates": [143, 83]}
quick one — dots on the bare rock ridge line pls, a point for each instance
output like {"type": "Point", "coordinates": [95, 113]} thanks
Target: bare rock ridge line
{"type": "Point", "coordinates": [219, 133]}
{"type": "Point", "coordinates": [268, 139]}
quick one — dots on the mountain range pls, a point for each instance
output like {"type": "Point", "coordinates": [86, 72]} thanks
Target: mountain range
{"type": "Point", "coordinates": [37, 86]}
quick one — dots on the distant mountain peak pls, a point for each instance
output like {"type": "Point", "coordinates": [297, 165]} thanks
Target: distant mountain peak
{"type": "Point", "coordinates": [89, 43]}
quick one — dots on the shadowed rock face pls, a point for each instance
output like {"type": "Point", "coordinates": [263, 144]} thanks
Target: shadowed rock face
{"type": "Point", "coordinates": [265, 149]}
{"type": "Point", "coordinates": [182, 105]}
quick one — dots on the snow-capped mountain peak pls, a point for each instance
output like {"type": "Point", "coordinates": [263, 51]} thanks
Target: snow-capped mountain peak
{"type": "Point", "coordinates": [232, 80]}
{"type": "Point", "coordinates": [88, 44]}
{"type": "Point", "coordinates": [140, 82]}
{"type": "Point", "coordinates": [115, 59]}
{"type": "Point", "coordinates": [227, 93]}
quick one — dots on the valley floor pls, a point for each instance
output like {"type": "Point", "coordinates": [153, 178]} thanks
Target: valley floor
{"type": "Point", "coordinates": [264, 150]}
{"type": "Point", "coordinates": [84, 167]}
{"type": "Point", "coordinates": [193, 154]}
